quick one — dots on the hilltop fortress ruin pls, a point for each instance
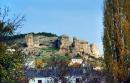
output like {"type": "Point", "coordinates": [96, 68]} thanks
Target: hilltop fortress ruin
{"type": "Point", "coordinates": [63, 43]}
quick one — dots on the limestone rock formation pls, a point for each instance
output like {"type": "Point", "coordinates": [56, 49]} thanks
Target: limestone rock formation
{"type": "Point", "coordinates": [29, 40]}
{"type": "Point", "coordinates": [94, 50]}
{"type": "Point", "coordinates": [80, 46]}
{"type": "Point", "coordinates": [39, 41]}
{"type": "Point", "coordinates": [63, 43]}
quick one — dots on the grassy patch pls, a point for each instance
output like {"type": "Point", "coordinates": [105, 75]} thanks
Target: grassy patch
{"type": "Point", "coordinates": [50, 49]}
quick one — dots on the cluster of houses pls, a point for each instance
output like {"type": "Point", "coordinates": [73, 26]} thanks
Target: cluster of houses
{"type": "Point", "coordinates": [74, 75]}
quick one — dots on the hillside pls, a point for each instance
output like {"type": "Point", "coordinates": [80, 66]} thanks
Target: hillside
{"type": "Point", "coordinates": [42, 46]}
{"type": "Point", "coordinates": [51, 43]}
{"type": "Point", "coordinates": [20, 38]}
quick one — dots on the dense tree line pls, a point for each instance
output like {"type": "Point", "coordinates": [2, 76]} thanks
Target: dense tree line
{"type": "Point", "coordinates": [46, 34]}
{"type": "Point", "coordinates": [116, 39]}
{"type": "Point", "coordinates": [19, 36]}
{"type": "Point", "coordinates": [59, 63]}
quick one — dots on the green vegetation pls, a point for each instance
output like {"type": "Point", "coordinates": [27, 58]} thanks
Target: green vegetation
{"type": "Point", "coordinates": [58, 59]}
{"type": "Point", "coordinates": [53, 60]}
{"type": "Point", "coordinates": [46, 34]}
{"type": "Point", "coordinates": [11, 62]}
{"type": "Point", "coordinates": [78, 56]}
{"type": "Point", "coordinates": [43, 34]}
{"type": "Point", "coordinates": [59, 62]}
{"type": "Point", "coordinates": [50, 49]}
{"type": "Point", "coordinates": [21, 36]}
{"type": "Point", "coordinates": [18, 36]}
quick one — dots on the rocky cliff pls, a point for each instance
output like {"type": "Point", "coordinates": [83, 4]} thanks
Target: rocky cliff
{"type": "Point", "coordinates": [62, 43]}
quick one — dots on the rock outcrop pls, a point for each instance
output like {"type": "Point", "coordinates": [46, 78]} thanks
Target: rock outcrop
{"type": "Point", "coordinates": [64, 44]}
{"type": "Point", "coordinates": [33, 41]}
{"type": "Point", "coordinates": [77, 46]}
{"type": "Point", "coordinates": [94, 50]}
{"type": "Point", "coordinates": [29, 40]}
{"type": "Point", "coordinates": [80, 46]}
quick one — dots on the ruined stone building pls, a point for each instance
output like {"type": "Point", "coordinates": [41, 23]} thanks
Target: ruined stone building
{"type": "Point", "coordinates": [39, 41]}
{"type": "Point", "coordinates": [32, 41]}
{"type": "Point", "coordinates": [77, 46]}
{"type": "Point", "coordinates": [80, 46]}
{"type": "Point", "coordinates": [95, 50]}
{"type": "Point", "coordinates": [64, 44]}
{"type": "Point", "coordinates": [36, 42]}
{"type": "Point", "coordinates": [29, 40]}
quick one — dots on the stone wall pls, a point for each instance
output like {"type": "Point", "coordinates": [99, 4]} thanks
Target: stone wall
{"type": "Point", "coordinates": [39, 41]}
{"type": "Point", "coordinates": [76, 46]}
{"type": "Point", "coordinates": [29, 40]}
{"type": "Point", "coordinates": [94, 50]}
{"type": "Point", "coordinates": [46, 41]}
{"type": "Point", "coordinates": [80, 46]}
{"type": "Point", "coordinates": [64, 44]}
{"type": "Point", "coordinates": [36, 41]}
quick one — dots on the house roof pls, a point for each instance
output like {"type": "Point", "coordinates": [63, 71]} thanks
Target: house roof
{"type": "Point", "coordinates": [31, 73]}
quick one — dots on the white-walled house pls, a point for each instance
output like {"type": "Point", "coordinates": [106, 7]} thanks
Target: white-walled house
{"type": "Point", "coordinates": [98, 68]}
{"type": "Point", "coordinates": [74, 79]}
{"type": "Point", "coordinates": [75, 60]}
{"type": "Point", "coordinates": [42, 80]}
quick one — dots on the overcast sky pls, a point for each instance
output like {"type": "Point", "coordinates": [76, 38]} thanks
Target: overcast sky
{"type": "Point", "coordinates": [80, 18]}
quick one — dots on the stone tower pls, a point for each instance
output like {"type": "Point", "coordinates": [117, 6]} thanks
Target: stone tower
{"type": "Point", "coordinates": [64, 44]}
{"type": "Point", "coordinates": [95, 50]}
{"type": "Point", "coordinates": [36, 41]}
{"type": "Point", "coordinates": [80, 46]}
{"type": "Point", "coordinates": [29, 40]}
{"type": "Point", "coordinates": [32, 41]}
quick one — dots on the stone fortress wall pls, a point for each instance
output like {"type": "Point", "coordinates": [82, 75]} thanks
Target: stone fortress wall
{"type": "Point", "coordinates": [39, 41]}
{"type": "Point", "coordinates": [63, 43]}
{"type": "Point", "coordinates": [78, 46]}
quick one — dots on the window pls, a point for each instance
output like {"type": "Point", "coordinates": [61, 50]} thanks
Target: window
{"type": "Point", "coordinates": [39, 81]}
{"type": "Point", "coordinates": [77, 80]}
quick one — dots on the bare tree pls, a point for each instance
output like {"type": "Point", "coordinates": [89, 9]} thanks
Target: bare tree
{"type": "Point", "coordinates": [11, 64]}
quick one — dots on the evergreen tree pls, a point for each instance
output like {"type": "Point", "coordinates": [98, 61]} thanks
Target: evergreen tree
{"type": "Point", "coordinates": [115, 40]}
